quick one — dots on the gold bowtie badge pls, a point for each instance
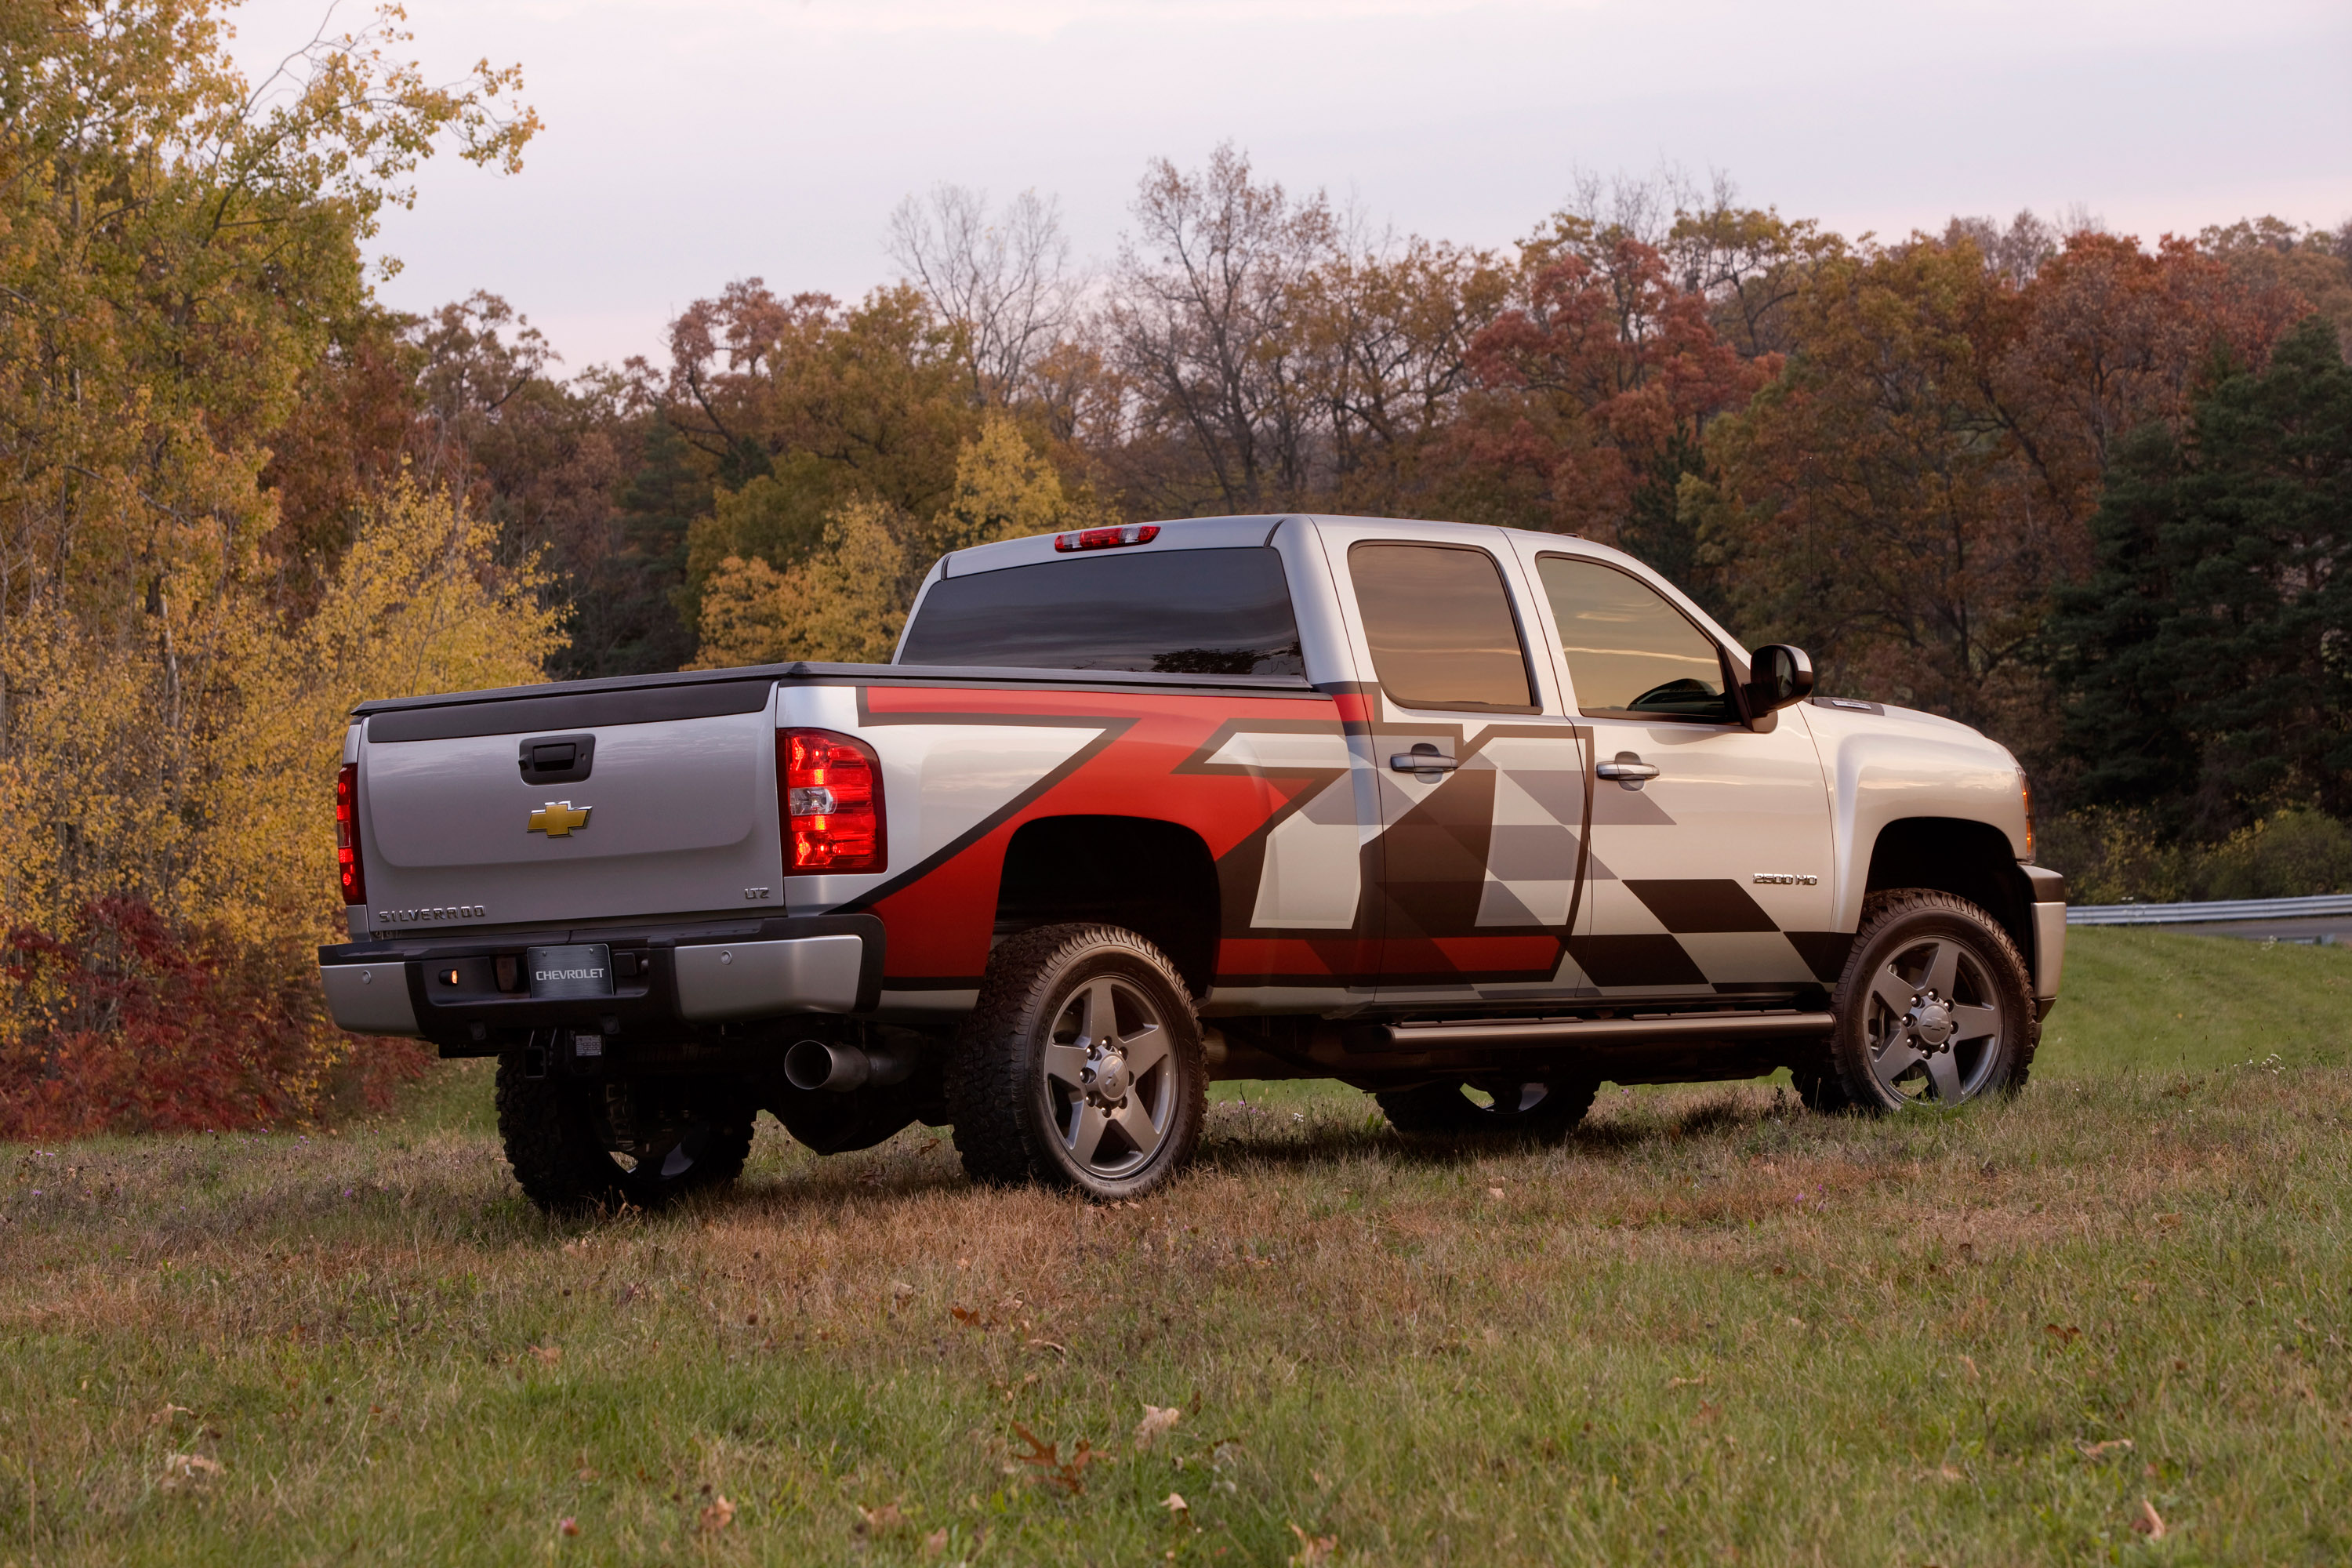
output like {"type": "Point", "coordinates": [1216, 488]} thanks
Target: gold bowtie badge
{"type": "Point", "coordinates": [559, 819]}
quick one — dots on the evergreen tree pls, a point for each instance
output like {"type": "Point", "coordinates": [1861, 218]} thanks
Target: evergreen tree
{"type": "Point", "coordinates": [2207, 663]}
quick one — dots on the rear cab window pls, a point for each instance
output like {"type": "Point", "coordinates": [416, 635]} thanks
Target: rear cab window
{"type": "Point", "coordinates": [1438, 622]}
{"type": "Point", "coordinates": [1170, 612]}
{"type": "Point", "coordinates": [1630, 652]}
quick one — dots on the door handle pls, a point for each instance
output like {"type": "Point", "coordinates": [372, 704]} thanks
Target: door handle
{"type": "Point", "coordinates": [1628, 770]}
{"type": "Point", "coordinates": [1423, 758]}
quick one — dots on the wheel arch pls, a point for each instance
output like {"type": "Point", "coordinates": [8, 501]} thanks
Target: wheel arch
{"type": "Point", "coordinates": [1967, 858]}
{"type": "Point", "coordinates": [1153, 877]}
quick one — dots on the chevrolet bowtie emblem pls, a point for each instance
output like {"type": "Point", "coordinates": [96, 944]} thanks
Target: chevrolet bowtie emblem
{"type": "Point", "coordinates": [559, 818]}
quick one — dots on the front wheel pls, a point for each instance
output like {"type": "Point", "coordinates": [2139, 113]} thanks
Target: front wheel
{"type": "Point", "coordinates": [1081, 1066]}
{"type": "Point", "coordinates": [1934, 1008]}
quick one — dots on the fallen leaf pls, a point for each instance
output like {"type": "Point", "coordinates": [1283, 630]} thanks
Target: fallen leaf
{"type": "Point", "coordinates": [936, 1541]}
{"type": "Point", "coordinates": [548, 1354]}
{"type": "Point", "coordinates": [184, 1470]}
{"type": "Point", "coordinates": [900, 1291]}
{"type": "Point", "coordinates": [1049, 1345]}
{"type": "Point", "coordinates": [569, 1527]}
{"type": "Point", "coordinates": [1176, 1503]}
{"type": "Point", "coordinates": [717, 1516]}
{"type": "Point", "coordinates": [1492, 1193]}
{"type": "Point", "coordinates": [2150, 1524]}
{"type": "Point", "coordinates": [1313, 1549]}
{"type": "Point", "coordinates": [2095, 1450]}
{"type": "Point", "coordinates": [1686, 1381]}
{"type": "Point", "coordinates": [1709, 1412]}
{"type": "Point", "coordinates": [1971, 1363]}
{"type": "Point", "coordinates": [882, 1519]}
{"type": "Point", "coordinates": [2065, 1333]}
{"type": "Point", "coordinates": [164, 1417]}
{"type": "Point", "coordinates": [1949, 1473]}
{"type": "Point", "coordinates": [1156, 1422]}
{"type": "Point", "coordinates": [1068, 1474]}
{"type": "Point", "coordinates": [963, 1315]}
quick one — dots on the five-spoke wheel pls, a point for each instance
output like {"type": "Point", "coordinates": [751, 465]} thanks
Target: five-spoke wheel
{"type": "Point", "coordinates": [1108, 1079]}
{"type": "Point", "coordinates": [1934, 1007]}
{"type": "Point", "coordinates": [1081, 1065]}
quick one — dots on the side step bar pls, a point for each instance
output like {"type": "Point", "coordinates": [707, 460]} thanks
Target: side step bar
{"type": "Point", "coordinates": [1656, 1029]}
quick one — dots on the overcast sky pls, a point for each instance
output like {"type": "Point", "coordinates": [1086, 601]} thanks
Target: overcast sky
{"type": "Point", "coordinates": [692, 141]}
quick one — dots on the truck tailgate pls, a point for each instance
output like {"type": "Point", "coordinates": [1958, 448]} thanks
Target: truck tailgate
{"type": "Point", "coordinates": [667, 815]}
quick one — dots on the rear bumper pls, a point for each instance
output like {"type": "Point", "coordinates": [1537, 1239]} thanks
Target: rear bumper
{"type": "Point", "coordinates": [670, 981]}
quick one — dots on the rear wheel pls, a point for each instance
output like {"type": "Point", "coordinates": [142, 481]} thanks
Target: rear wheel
{"type": "Point", "coordinates": [1499, 1105]}
{"type": "Point", "coordinates": [1934, 1008]}
{"type": "Point", "coordinates": [578, 1144]}
{"type": "Point", "coordinates": [1081, 1066]}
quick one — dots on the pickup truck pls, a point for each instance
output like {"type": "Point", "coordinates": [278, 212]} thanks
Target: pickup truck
{"type": "Point", "coordinates": [1469, 818]}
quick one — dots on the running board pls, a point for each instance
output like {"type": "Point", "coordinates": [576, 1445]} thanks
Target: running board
{"type": "Point", "coordinates": [1639, 1030]}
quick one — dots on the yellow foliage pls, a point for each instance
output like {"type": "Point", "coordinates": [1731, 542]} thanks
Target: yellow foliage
{"type": "Point", "coordinates": [188, 761]}
{"type": "Point", "coordinates": [848, 600]}
{"type": "Point", "coordinates": [1003, 490]}
{"type": "Point", "coordinates": [843, 605]}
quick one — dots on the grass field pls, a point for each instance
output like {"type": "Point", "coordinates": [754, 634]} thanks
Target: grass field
{"type": "Point", "coordinates": [1710, 1328]}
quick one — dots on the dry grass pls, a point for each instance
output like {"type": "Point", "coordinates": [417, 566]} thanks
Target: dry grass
{"type": "Point", "coordinates": [1710, 1328]}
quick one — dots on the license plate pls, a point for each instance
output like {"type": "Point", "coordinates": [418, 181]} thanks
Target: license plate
{"type": "Point", "coordinates": [582, 971]}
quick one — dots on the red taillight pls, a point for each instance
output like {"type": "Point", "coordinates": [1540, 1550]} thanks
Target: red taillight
{"type": "Point", "coordinates": [347, 834]}
{"type": "Point", "coordinates": [830, 790]}
{"type": "Point", "coordinates": [1108, 538]}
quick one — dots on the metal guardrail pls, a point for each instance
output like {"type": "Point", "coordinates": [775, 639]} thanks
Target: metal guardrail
{"type": "Point", "coordinates": [2219, 910]}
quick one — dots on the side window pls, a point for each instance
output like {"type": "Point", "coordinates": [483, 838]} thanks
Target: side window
{"type": "Point", "coordinates": [1628, 651]}
{"type": "Point", "coordinates": [1440, 623]}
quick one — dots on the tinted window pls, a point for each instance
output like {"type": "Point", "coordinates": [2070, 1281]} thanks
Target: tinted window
{"type": "Point", "coordinates": [1629, 651]}
{"type": "Point", "coordinates": [1179, 612]}
{"type": "Point", "coordinates": [1440, 624]}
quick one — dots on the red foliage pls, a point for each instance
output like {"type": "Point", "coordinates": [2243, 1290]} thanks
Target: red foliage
{"type": "Point", "coordinates": [129, 1025]}
{"type": "Point", "coordinates": [1593, 377]}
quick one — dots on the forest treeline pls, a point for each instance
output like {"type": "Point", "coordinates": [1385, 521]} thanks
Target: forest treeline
{"type": "Point", "coordinates": [2087, 493]}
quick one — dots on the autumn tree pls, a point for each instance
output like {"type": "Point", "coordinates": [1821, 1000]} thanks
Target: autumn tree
{"type": "Point", "coordinates": [846, 599]}
{"type": "Point", "coordinates": [793, 407]}
{"type": "Point", "coordinates": [1206, 318]}
{"type": "Point", "coordinates": [1903, 500]}
{"type": "Point", "coordinates": [182, 254]}
{"type": "Point", "coordinates": [1598, 387]}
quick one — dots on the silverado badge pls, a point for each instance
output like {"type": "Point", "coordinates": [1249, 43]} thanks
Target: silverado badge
{"type": "Point", "coordinates": [559, 819]}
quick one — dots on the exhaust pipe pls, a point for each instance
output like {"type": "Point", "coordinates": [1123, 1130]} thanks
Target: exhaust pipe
{"type": "Point", "coordinates": [839, 1069]}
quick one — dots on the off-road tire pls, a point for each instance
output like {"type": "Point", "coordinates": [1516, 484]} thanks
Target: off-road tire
{"type": "Point", "coordinates": [997, 1093]}
{"type": "Point", "coordinates": [559, 1156]}
{"type": "Point", "coordinates": [1901, 919]}
{"type": "Point", "coordinates": [1443, 1112]}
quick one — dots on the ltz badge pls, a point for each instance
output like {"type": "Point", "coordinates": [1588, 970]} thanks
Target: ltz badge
{"type": "Point", "coordinates": [557, 818]}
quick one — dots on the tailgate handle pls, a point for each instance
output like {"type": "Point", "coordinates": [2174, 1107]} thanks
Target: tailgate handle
{"type": "Point", "coordinates": [556, 759]}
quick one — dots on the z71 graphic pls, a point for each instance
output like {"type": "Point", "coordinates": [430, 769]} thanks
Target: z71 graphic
{"type": "Point", "coordinates": [1462, 816]}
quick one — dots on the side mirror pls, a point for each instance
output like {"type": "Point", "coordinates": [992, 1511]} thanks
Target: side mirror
{"type": "Point", "coordinates": [1779, 674]}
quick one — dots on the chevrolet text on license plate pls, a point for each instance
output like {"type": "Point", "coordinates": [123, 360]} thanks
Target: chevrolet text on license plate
{"type": "Point", "coordinates": [582, 970]}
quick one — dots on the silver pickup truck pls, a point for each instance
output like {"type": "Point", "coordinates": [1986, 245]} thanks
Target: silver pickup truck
{"type": "Point", "coordinates": [1470, 818]}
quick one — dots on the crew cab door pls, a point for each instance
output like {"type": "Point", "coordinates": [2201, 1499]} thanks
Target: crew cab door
{"type": "Point", "coordinates": [1709, 864]}
{"type": "Point", "coordinates": [1478, 770]}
